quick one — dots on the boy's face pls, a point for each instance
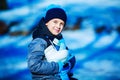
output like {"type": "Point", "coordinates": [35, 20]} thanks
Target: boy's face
{"type": "Point", "coordinates": [55, 26]}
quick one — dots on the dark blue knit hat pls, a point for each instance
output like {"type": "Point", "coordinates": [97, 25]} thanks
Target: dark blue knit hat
{"type": "Point", "coordinates": [55, 13]}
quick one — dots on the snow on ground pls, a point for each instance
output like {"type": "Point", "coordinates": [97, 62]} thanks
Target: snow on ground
{"type": "Point", "coordinates": [80, 37]}
{"type": "Point", "coordinates": [94, 64]}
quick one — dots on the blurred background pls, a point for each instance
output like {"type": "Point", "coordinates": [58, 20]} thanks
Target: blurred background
{"type": "Point", "coordinates": [92, 35]}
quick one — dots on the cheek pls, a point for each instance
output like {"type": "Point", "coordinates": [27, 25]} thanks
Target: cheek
{"type": "Point", "coordinates": [61, 28]}
{"type": "Point", "coordinates": [51, 29]}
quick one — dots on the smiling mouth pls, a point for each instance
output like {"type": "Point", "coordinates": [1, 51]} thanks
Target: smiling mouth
{"type": "Point", "coordinates": [56, 30]}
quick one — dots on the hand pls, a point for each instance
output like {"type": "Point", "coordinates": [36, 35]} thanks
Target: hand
{"type": "Point", "coordinates": [64, 75]}
{"type": "Point", "coordinates": [66, 67]}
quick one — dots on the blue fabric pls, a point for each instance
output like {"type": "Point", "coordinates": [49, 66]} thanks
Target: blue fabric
{"type": "Point", "coordinates": [64, 75]}
{"type": "Point", "coordinates": [60, 66]}
{"type": "Point", "coordinates": [37, 63]}
{"type": "Point", "coordinates": [61, 45]}
{"type": "Point", "coordinates": [57, 47]}
{"type": "Point", "coordinates": [64, 72]}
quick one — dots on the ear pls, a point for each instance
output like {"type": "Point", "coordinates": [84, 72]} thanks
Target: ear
{"type": "Point", "coordinates": [46, 24]}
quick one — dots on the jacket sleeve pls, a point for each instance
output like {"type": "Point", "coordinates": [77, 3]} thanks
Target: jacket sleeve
{"type": "Point", "coordinates": [36, 58]}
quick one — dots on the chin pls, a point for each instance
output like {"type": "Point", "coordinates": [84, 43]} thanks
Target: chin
{"type": "Point", "coordinates": [55, 34]}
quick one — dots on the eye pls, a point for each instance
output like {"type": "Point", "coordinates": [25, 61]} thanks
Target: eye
{"type": "Point", "coordinates": [61, 24]}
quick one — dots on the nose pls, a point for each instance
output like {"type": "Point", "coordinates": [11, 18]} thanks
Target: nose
{"type": "Point", "coordinates": [58, 25]}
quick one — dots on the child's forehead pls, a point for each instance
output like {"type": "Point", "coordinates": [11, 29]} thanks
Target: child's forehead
{"type": "Point", "coordinates": [57, 19]}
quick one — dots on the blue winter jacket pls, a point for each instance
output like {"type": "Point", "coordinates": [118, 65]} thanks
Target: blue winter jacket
{"type": "Point", "coordinates": [39, 67]}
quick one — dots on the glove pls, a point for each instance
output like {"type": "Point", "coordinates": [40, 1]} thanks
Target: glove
{"type": "Point", "coordinates": [64, 75]}
{"type": "Point", "coordinates": [52, 54]}
{"type": "Point", "coordinates": [64, 72]}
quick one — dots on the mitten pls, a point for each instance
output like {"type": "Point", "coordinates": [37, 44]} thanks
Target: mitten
{"type": "Point", "coordinates": [64, 72]}
{"type": "Point", "coordinates": [64, 75]}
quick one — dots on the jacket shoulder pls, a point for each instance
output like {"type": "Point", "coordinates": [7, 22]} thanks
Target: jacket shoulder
{"type": "Point", "coordinates": [39, 41]}
{"type": "Point", "coordinates": [37, 44]}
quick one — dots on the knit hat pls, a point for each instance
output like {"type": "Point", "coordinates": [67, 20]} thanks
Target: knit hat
{"type": "Point", "coordinates": [55, 13]}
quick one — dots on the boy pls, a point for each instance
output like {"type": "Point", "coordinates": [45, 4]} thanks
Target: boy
{"type": "Point", "coordinates": [49, 58]}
